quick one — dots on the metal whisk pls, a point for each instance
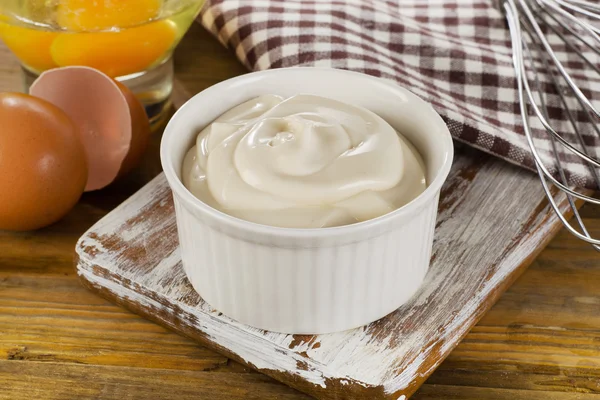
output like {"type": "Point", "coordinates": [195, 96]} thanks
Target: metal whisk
{"type": "Point", "coordinates": [537, 66]}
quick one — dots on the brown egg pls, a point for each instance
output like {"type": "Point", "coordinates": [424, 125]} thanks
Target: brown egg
{"type": "Point", "coordinates": [43, 169]}
{"type": "Point", "coordinates": [113, 124]}
{"type": "Point", "coordinates": [140, 131]}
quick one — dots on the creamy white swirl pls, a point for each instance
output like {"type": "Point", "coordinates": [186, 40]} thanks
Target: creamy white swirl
{"type": "Point", "coordinates": [302, 162]}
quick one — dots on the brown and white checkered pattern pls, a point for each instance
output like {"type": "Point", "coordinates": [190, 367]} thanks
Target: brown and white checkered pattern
{"type": "Point", "coordinates": [456, 54]}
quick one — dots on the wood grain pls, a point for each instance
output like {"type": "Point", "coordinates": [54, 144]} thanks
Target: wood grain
{"type": "Point", "coordinates": [60, 341]}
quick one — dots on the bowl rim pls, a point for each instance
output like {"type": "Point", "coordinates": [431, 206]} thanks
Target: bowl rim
{"type": "Point", "coordinates": [184, 194]}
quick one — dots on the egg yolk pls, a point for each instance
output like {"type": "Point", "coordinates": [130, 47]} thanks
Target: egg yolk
{"type": "Point", "coordinates": [31, 46]}
{"type": "Point", "coordinates": [91, 39]}
{"type": "Point", "coordinates": [89, 15]}
{"type": "Point", "coordinates": [116, 53]}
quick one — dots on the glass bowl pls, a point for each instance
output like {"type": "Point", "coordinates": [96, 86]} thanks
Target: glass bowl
{"type": "Point", "coordinates": [129, 40]}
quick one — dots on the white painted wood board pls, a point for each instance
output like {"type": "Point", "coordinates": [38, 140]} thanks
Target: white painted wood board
{"type": "Point", "coordinates": [493, 220]}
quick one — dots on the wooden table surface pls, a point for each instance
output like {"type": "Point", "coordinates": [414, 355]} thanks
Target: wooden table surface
{"type": "Point", "coordinates": [59, 341]}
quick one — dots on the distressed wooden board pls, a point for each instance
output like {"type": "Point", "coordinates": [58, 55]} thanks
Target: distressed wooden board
{"type": "Point", "coordinates": [493, 220]}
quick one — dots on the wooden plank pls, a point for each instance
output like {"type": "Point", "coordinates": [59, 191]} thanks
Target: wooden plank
{"type": "Point", "coordinates": [474, 370]}
{"type": "Point", "coordinates": [132, 257]}
{"type": "Point", "coordinates": [73, 381]}
{"type": "Point", "coordinates": [442, 392]}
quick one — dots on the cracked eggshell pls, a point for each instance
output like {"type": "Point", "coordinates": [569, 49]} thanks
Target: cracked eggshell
{"type": "Point", "coordinates": [108, 117]}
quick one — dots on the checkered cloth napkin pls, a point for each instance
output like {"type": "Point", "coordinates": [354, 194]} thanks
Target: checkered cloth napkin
{"type": "Point", "coordinates": [456, 54]}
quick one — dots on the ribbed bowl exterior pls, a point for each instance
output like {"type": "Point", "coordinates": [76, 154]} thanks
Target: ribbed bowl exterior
{"type": "Point", "coordinates": [285, 288]}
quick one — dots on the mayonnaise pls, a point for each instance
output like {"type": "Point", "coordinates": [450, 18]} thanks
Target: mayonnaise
{"type": "Point", "coordinates": [303, 162]}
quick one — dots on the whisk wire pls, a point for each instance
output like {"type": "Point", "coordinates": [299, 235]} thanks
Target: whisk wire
{"type": "Point", "coordinates": [577, 9]}
{"type": "Point", "coordinates": [593, 31]}
{"type": "Point", "coordinates": [566, 108]}
{"type": "Point", "coordinates": [545, 14]}
{"type": "Point", "coordinates": [527, 99]}
{"type": "Point", "coordinates": [573, 33]}
{"type": "Point", "coordinates": [554, 58]}
{"type": "Point", "coordinates": [586, 4]}
{"type": "Point", "coordinates": [517, 40]}
{"type": "Point", "coordinates": [546, 115]}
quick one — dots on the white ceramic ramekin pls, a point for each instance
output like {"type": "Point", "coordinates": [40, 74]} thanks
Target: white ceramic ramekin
{"type": "Point", "coordinates": [308, 281]}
